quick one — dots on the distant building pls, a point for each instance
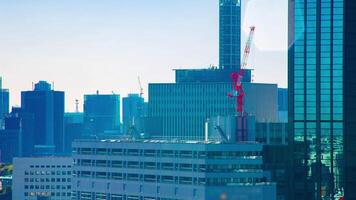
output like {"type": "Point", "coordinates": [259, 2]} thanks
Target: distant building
{"type": "Point", "coordinates": [47, 106]}
{"type": "Point", "coordinates": [102, 114]}
{"type": "Point", "coordinates": [17, 137]}
{"type": "Point", "coordinates": [180, 110]}
{"type": "Point", "coordinates": [275, 160]}
{"type": "Point", "coordinates": [4, 103]}
{"type": "Point", "coordinates": [283, 105]}
{"type": "Point", "coordinates": [134, 110]}
{"type": "Point", "coordinates": [274, 137]}
{"type": "Point", "coordinates": [231, 129]}
{"type": "Point", "coordinates": [157, 169]}
{"type": "Point", "coordinates": [272, 133]}
{"type": "Point", "coordinates": [230, 34]}
{"type": "Point", "coordinates": [211, 75]}
{"type": "Point", "coordinates": [42, 178]}
{"type": "Point", "coordinates": [73, 129]}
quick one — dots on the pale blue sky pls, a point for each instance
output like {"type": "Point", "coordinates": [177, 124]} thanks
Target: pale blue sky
{"type": "Point", "coordinates": [88, 45]}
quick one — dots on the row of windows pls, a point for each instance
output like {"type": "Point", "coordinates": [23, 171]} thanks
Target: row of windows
{"type": "Point", "coordinates": [47, 194]}
{"type": "Point", "coordinates": [42, 172]}
{"type": "Point", "coordinates": [167, 179]}
{"type": "Point", "coordinates": [47, 180]}
{"type": "Point", "coordinates": [168, 153]}
{"type": "Point", "coordinates": [48, 187]}
{"type": "Point", "coordinates": [50, 166]}
{"type": "Point", "coordinates": [103, 196]}
{"type": "Point", "coordinates": [169, 166]}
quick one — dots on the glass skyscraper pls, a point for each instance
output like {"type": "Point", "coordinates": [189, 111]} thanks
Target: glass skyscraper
{"type": "Point", "coordinates": [230, 31]}
{"type": "Point", "coordinates": [322, 110]}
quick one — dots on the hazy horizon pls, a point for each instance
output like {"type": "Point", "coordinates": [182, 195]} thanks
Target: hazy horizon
{"type": "Point", "coordinates": [87, 45]}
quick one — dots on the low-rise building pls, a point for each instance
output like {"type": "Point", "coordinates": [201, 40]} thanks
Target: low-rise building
{"type": "Point", "coordinates": [157, 169]}
{"type": "Point", "coordinates": [42, 178]}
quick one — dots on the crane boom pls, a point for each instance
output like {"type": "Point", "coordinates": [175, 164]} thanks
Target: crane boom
{"type": "Point", "coordinates": [248, 47]}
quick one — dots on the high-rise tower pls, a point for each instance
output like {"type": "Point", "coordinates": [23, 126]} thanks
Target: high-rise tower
{"type": "Point", "coordinates": [322, 107]}
{"type": "Point", "coordinates": [230, 31]}
{"type": "Point", "coordinates": [47, 107]}
{"type": "Point", "coordinates": [4, 101]}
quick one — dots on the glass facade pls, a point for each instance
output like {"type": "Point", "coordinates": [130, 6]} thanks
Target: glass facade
{"type": "Point", "coordinates": [230, 30]}
{"type": "Point", "coordinates": [316, 77]}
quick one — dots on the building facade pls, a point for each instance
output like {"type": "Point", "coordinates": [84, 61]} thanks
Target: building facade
{"type": "Point", "coordinates": [42, 178]}
{"type": "Point", "coordinates": [4, 103]}
{"type": "Point", "coordinates": [322, 98]}
{"type": "Point", "coordinates": [181, 110]}
{"type": "Point", "coordinates": [47, 106]}
{"type": "Point", "coordinates": [73, 129]}
{"type": "Point", "coordinates": [102, 113]}
{"type": "Point", "coordinates": [230, 34]}
{"type": "Point", "coordinates": [212, 74]}
{"type": "Point", "coordinates": [157, 169]}
{"type": "Point", "coordinates": [283, 105]}
{"type": "Point", "coordinates": [134, 109]}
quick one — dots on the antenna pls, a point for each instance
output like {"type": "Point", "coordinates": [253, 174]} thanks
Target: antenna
{"type": "Point", "coordinates": [76, 105]}
{"type": "Point", "coordinates": [139, 83]}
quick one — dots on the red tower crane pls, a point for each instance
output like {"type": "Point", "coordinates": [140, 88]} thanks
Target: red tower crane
{"type": "Point", "coordinates": [237, 88]}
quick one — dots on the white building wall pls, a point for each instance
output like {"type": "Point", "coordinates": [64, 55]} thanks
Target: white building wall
{"type": "Point", "coordinates": [42, 177]}
{"type": "Point", "coordinates": [246, 174]}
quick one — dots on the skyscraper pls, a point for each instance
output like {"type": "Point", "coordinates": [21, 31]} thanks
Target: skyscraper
{"type": "Point", "coordinates": [181, 109]}
{"type": "Point", "coordinates": [102, 114]}
{"type": "Point", "coordinates": [322, 60]}
{"type": "Point", "coordinates": [230, 31]}
{"type": "Point", "coordinates": [47, 106]}
{"type": "Point", "coordinates": [134, 109]}
{"type": "Point", "coordinates": [4, 102]}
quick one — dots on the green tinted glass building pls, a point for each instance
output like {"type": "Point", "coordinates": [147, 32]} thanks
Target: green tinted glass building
{"type": "Point", "coordinates": [322, 111]}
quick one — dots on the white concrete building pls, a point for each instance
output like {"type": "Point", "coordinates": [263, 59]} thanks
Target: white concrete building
{"type": "Point", "coordinates": [42, 178]}
{"type": "Point", "coordinates": [161, 170]}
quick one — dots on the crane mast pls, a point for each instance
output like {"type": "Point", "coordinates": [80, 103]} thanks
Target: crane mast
{"type": "Point", "coordinates": [237, 88]}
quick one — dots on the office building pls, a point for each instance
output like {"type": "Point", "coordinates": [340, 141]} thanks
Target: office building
{"type": "Point", "coordinates": [272, 133]}
{"type": "Point", "coordinates": [73, 129]}
{"type": "Point", "coordinates": [134, 110]}
{"type": "Point", "coordinates": [47, 106]}
{"type": "Point", "coordinates": [4, 103]}
{"type": "Point", "coordinates": [275, 160]}
{"type": "Point", "coordinates": [322, 98]}
{"type": "Point", "coordinates": [283, 105]}
{"type": "Point", "coordinates": [158, 169]}
{"type": "Point", "coordinates": [181, 110]}
{"type": "Point", "coordinates": [230, 34]}
{"type": "Point", "coordinates": [102, 114]}
{"type": "Point", "coordinates": [212, 75]}
{"type": "Point", "coordinates": [42, 178]}
{"type": "Point", "coordinates": [16, 139]}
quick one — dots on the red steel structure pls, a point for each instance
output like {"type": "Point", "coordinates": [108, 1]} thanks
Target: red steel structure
{"type": "Point", "coordinates": [237, 88]}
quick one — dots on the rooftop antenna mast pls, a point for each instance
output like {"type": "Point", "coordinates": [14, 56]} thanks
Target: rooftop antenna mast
{"type": "Point", "coordinates": [76, 105]}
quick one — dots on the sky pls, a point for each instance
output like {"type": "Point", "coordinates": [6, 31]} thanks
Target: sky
{"type": "Point", "coordinates": [87, 45]}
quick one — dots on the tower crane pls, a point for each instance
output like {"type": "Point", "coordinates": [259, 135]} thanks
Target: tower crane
{"type": "Point", "coordinates": [237, 88]}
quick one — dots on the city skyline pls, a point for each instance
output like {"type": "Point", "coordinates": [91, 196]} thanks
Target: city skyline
{"type": "Point", "coordinates": [63, 46]}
